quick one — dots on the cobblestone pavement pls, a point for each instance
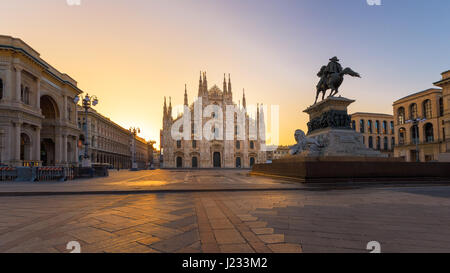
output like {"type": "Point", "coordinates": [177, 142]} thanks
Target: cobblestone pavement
{"type": "Point", "coordinates": [402, 219]}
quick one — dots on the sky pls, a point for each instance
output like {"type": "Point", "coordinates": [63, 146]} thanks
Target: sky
{"type": "Point", "coordinates": [132, 53]}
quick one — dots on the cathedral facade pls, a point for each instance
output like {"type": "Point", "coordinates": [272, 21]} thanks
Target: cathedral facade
{"type": "Point", "coordinates": [236, 142]}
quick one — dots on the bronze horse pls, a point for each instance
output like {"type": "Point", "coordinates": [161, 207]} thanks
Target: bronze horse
{"type": "Point", "coordinates": [333, 82]}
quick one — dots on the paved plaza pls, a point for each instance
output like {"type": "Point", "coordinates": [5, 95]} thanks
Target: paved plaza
{"type": "Point", "coordinates": [238, 213]}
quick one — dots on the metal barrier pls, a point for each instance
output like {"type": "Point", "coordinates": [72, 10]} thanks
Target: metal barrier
{"type": "Point", "coordinates": [8, 174]}
{"type": "Point", "coordinates": [49, 174]}
{"type": "Point", "coordinates": [36, 174]}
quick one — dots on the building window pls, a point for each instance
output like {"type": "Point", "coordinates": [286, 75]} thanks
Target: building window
{"type": "Point", "coordinates": [369, 126]}
{"type": "Point", "coordinates": [401, 136]}
{"type": "Point", "coordinates": [353, 125]}
{"type": "Point", "coordinates": [378, 143]}
{"type": "Point", "coordinates": [361, 126]}
{"type": "Point", "coordinates": [401, 115]}
{"type": "Point", "coordinates": [415, 134]}
{"type": "Point", "coordinates": [370, 142]}
{"type": "Point", "coordinates": [252, 145]}
{"type": "Point", "coordinates": [194, 144]}
{"type": "Point", "coordinates": [413, 111]}
{"type": "Point", "coordinates": [385, 143]}
{"type": "Point", "coordinates": [1, 89]}
{"type": "Point", "coordinates": [429, 135]}
{"type": "Point", "coordinates": [377, 126]}
{"type": "Point", "coordinates": [25, 94]}
{"type": "Point", "coordinates": [178, 144]}
{"type": "Point", "coordinates": [363, 140]}
{"type": "Point", "coordinates": [427, 109]}
{"type": "Point", "coordinates": [441, 107]}
{"type": "Point", "coordinates": [392, 143]}
{"type": "Point", "coordinates": [385, 127]}
{"type": "Point", "coordinates": [238, 144]}
{"type": "Point", "coordinates": [392, 127]}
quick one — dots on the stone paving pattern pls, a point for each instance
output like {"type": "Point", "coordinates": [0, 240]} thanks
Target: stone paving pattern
{"type": "Point", "coordinates": [402, 219]}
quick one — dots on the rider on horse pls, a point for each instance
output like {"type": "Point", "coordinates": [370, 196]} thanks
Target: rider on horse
{"type": "Point", "coordinates": [333, 67]}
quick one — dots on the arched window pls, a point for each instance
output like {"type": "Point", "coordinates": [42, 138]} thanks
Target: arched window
{"type": "Point", "coordinates": [178, 144]}
{"type": "Point", "coordinates": [378, 143]}
{"type": "Point", "coordinates": [252, 144]}
{"type": "Point", "coordinates": [415, 134]}
{"type": "Point", "coordinates": [392, 127]}
{"type": "Point", "coordinates": [377, 126]}
{"type": "Point", "coordinates": [427, 109]}
{"type": "Point", "coordinates": [1, 89]}
{"type": "Point", "coordinates": [413, 111]}
{"type": "Point", "coordinates": [371, 142]}
{"type": "Point", "coordinates": [238, 144]}
{"type": "Point", "coordinates": [369, 126]}
{"type": "Point", "coordinates": [361, 126]}
{"type": "Point", "coordinates": [401, 115]}
{"type": "Point", "coordinates": [385, 127]}
{"type": "Point", "coordinates": [385, 144]}
{"type": "Point", "coordinates": [441, 107]}
{"type": "Point", "coordinates": [401, 136]}
{"type": "Point", "coordinates": [428, 132]}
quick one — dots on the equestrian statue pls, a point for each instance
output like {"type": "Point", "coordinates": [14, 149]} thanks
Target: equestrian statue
{"type": "Point", "coordinates": [331, 77]}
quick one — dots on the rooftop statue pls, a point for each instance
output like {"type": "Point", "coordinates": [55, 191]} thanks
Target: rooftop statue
{"type": "Point", "coordinates": [331, 77]}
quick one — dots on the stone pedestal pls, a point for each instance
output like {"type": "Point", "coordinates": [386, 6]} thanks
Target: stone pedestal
{"type": "Point", "coordinates": [330, 125]}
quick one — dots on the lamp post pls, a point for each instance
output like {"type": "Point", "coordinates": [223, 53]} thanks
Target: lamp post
{"type": "Point", "coordinates": [87, 102]}
{"type": "Point", "coordinates": [134, 131]}
{"type": "Point", "coordinates": [415, 122]}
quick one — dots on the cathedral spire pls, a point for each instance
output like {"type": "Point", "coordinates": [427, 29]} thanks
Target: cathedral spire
{"type": "Point", "coordinates": [185, 96]}
{"type": "Point", "coordinates": [170, 107]}
{"type": "Point", "coordinates": [200, 86]}
{"type": "Point", "coordinates": [165, 107]}
{"type": "Point", "coordinates": [229, 86]}
{"type": "Point", "coordinates": [225, 91]}
{"type": "Point", "coordinates": [244, 103]}
{"type": "Point", "coordinates": [205, 84]}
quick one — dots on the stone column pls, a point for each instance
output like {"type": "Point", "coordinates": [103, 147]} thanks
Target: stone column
{"type": "Point", "coordinates": [58, 149]}
{"type": "Point", "coordinates": [18, 83]}
{"type": "Point", "coordinates": [16, 139]}
{"type": "Point", "coordinates": [64, 149]}
{"type": "Point", "coordinates": [65, 109]}
{"type": "Point", "coordinates": [37, 145]}
{"type": "Point", "coordinates": [76, 150]}
{"type": "Point", "coordinates": [8, 85]}
{"type": "Point", "coordinates": [38, 94]}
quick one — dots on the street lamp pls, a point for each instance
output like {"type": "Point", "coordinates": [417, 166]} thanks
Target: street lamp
{"type": "Point", "coordinates": [134, 131]}
{"type": "Point", "coordinates": [415, 122]}
{"type": "Point", "coordinates": [87, 103]}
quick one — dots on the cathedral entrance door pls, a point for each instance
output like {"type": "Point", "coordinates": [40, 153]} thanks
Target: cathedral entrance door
{"type": "Point", "coordinates": [179, 162]}
{"type": "Point", "coordinates": [194, 162]}
{"type": "Point", "coordinates": [238, 162]}
{"type": "Point", "coordinates": [216, 160]}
